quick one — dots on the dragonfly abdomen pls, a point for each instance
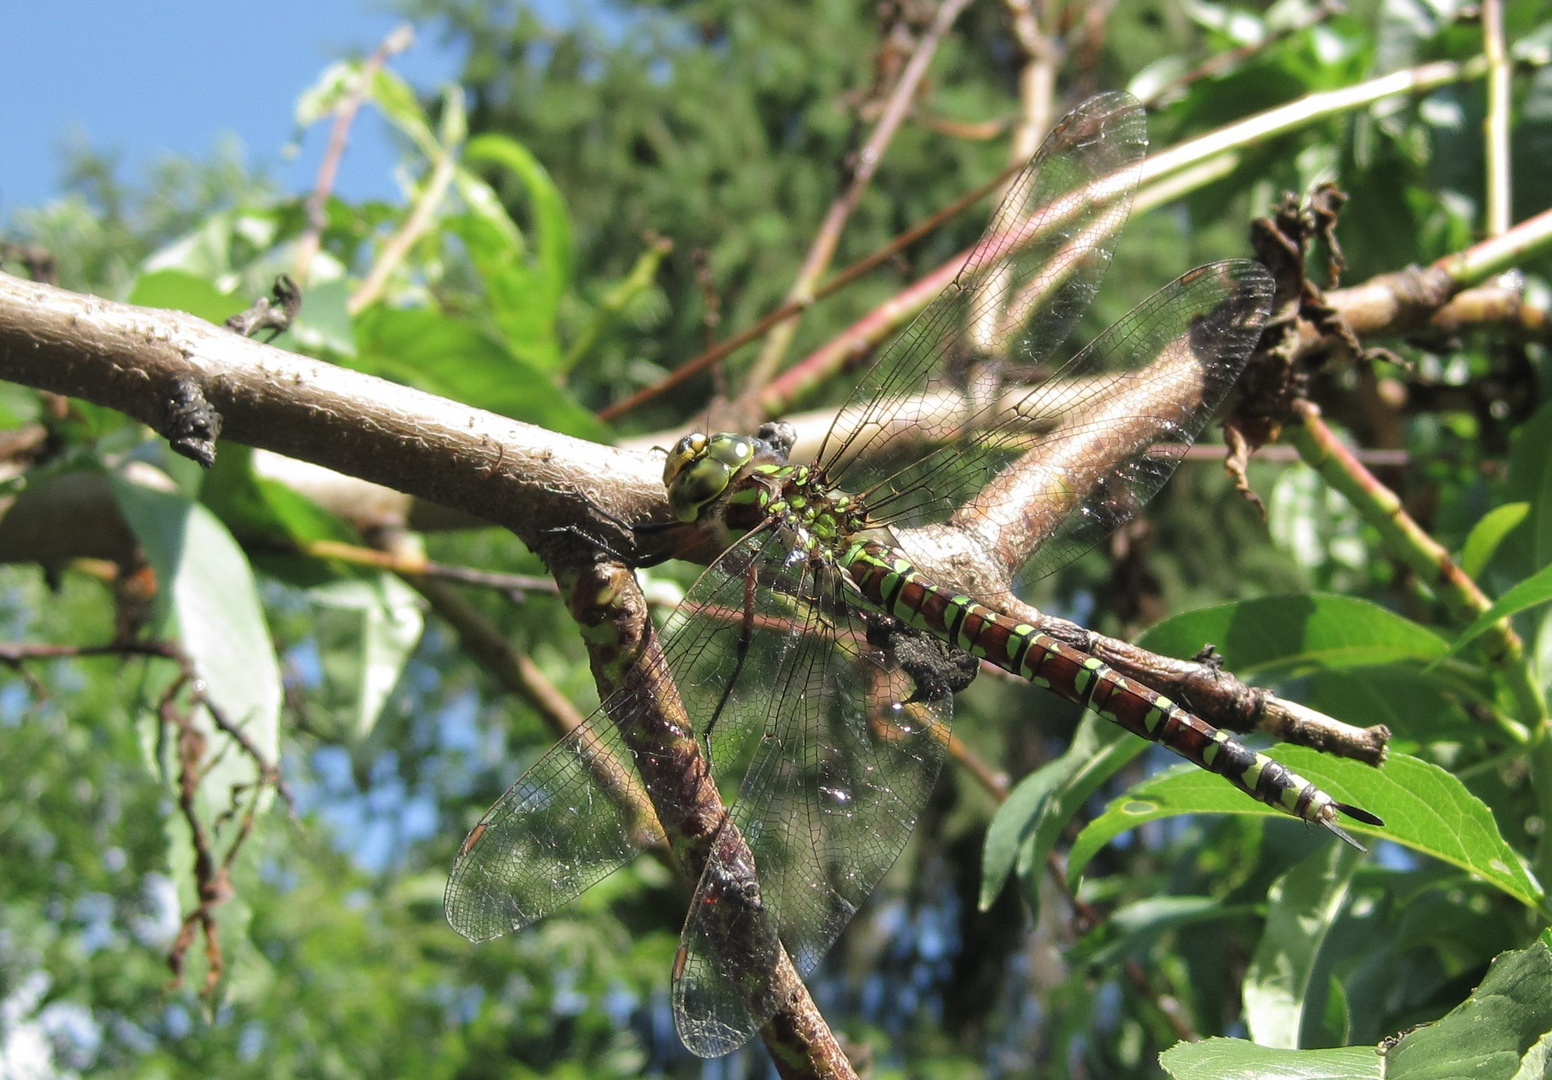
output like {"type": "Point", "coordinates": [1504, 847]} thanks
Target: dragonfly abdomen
{"type": "Point", "coordinates": [896, 586]}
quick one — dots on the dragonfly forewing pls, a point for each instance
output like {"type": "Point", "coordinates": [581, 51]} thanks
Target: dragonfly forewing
{"type": "Point", "coordinates": [800, 655]}
{"type": "Point", "coordinates": [1021, 289]}
{"type": "Point", "coordinates": [1087, 451]}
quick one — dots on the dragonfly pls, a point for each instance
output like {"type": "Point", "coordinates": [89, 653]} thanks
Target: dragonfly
{"type": "Point", "coordinates": [815, 659]}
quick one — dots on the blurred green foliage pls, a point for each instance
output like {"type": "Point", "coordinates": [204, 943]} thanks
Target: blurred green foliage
{"type": "Point", "coordinates": [538, 286]}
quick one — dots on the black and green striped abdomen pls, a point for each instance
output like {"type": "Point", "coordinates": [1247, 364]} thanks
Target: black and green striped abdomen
{"type": "Point", "coordinates": [896, 587]}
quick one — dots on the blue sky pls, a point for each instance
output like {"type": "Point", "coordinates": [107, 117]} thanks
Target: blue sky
{"type": "Point", "coordinates": [173, 76]}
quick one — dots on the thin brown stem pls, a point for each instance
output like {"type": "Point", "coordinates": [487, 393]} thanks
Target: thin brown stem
{"type": "Point", "coordinates": [697, 364]}
{"type": "Point", "coordinates": [822, 250]}
{"type": "Point", "coordinates": [1495, 126]}
{"type": "Point", "coordinates": [415, 563]}
{"type": "Point", "coordinates": [401, 38]}
{"type": "Point", "coordinates": [421, 217]}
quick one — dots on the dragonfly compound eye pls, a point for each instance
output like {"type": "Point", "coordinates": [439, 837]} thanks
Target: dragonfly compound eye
{"type": "Point", "coordinates": [685, 451]}
{"type": "Point", "coordinates": [699, 470]}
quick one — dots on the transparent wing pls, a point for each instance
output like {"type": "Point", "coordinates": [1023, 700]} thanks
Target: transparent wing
{"type": "Point", "coordinates": [1031, 276]}
{"type": "Point", "coordinates": [580, 812]}
{"type": "Point", "coordinates": [571, 820]}
{"type": "Point", "coordinates": [1175, 357]}
{"type": "Point", "coordinates": [841, 763]}
{"type": "Point", "coordinates": [1080, 454]}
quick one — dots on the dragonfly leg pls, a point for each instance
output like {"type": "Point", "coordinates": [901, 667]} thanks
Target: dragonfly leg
{"type": "Point", "coordinates": [741, 652]}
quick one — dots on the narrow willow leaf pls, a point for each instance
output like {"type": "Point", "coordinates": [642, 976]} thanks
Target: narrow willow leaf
{"type": "Point", "coordinates": [1237, 1059]}
{"type": "Point", "coordinates": [1536, 589]}
{"type": "Point", "coordinates": [1028, 824]}
{"type": "Point", "coordinates": [206, 586]}
{"type": "Point", "coordinates": [1482, 543]}
{"type": "Point", "coordinates": [1302, 906]}
{"type": "Point", "coordinates": [1334, 1026]}
{"type": "Point", "coordinates": [526, 292]}
{"type": "Point", "coordinates": [1131, 930]}
{"type": "Point", "coordinates": [366, 632]}
{"type": "Point", "coordinates": [402, 108]}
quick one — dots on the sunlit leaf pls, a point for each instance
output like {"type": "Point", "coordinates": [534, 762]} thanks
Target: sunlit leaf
{"type": "Point", "coordinates": [1424, 808]}
{"type": "Point", "coordinates": [1237, 1059]}
{"type": "Point", "coordinates": [1536, 589]}
{"type": "Point", "coordinates": [525, 288]}
{"type": "Point", "coordinates": [1302, 904]}
{"type": "Point", "coordinates": [396, 98]}
{"type": "Point", "coordinates": [1503, 1029]}
{"type": "Point", "coordinates": [366, 632]}
{"type": "Point", "coordinates": [183, 291]}
{"type": "Point", "coordinates": [1485, 536]}
{"type": "Point", "coordinates": [451, 357]}
{"type": "Point", "coordinates": [207, 589]}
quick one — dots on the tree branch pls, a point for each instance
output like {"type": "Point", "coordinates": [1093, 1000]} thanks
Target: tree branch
{"type": "Point", "coordinates": [531, 481]}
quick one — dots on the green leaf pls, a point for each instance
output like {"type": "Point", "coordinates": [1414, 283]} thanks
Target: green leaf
{"type": "Point", "coordinates": [485, 204]}
{"type": "Point", "coordinates": [181, 290]}
{"type": "Point", "coordinates": [1424, 808]}
{"type": "Point", "coordinates": [1334, 1026]}
{"type": "Point", "coordinates": [1530, 475]}
{"type": "Point", "coordinates": [1536, 589]}
{"type": "Point", "coordinates": [1487, 534]}
{"type": "Point", "coordinates": [271, 519]}
{"type": "Point", "coordinates": [320, 99]}
{"type": "Point", "coordinates": [206, 252]}
{"type": "Point", "coordinates": [1237, 1059]}
{"type": "Point", "coordinates": [324, 323]}
{"type": "Point", "coordinates": [524, 288]}
{"type": "Point", "coordinates": [552, 222]}
{"type": "Point", "coordinates": [400, 104]}
{"type": "Point", "coordinates": [1501, 1030]}
{"type": "Point", "coordinates": [1027, 826]}
{"type": "Point", "coordinates": [523, 307]}
{"type": "Point", "coordinates": [1303, 904]}
{"type": "Point", "coordinates": [445, 356]}
{"type": "Point", "coordinates": [1130, 929]}
{"type": "Point", "coordinates": [453, 124]}
{"type": "Point", "coordinates": [366, 632]}
{"type": "Point", "coordinates": [1297, 634]}
{"type": "Point", "coordinates": [204, 583]}
{"type": "Point", "coordinates": [1420, 707]}
{"type": "Point", "coordinates": [614, 302]}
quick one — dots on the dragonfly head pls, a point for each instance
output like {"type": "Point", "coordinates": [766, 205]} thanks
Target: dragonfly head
{"type": "Point", "coordinates": [700, 468]}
